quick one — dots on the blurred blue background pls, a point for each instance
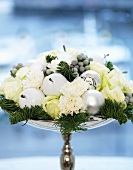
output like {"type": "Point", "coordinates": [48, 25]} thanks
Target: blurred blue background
{"type": "Point", "coordinates": [29, 28]}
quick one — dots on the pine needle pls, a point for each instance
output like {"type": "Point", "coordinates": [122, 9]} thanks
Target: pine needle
{"type": "Point", "coordinates": [66, 71]}
{"type": "Point", "coordinates": [49, 58]}
{"type": "Point", "coordinates": [70, 123]}
{"type": "Point", "coordinates": [113, 109]}
{"type": "Point", "coordinates": [67, 124]}
{"type": "Point", "coordinates": [35, 113]}
{"type": "Point", "coordinates": [109, 65]}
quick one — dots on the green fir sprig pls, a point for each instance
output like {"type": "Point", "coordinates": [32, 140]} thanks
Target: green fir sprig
{"type": "Point", "coordinates": [109, 65]}
{"type": "Point", "coordinates": [49, 58]}
{"type": "Point", "coordinates": [129, 112]}
{"type": "Point", "coordinates": [35, 113]}
{"type": "Point", "coordinates": [69, 123]}
{"type": "Point", "coordinates": [64, 69]}
{"type": "Point", "coordinates": [64, 48]}
{"type": "Point", "coordinates": [16, 114]}
{"type": "Point", "coordinates": [113, 109]}
{"type": "Point", "coordinates": [8, 105]}
{"type": "Point", "coordinates": [15, 69]}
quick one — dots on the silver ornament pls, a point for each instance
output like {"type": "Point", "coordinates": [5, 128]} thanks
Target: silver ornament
{"type": "Point", "coordinates": [30, 97]}
{"type": "Point", "coordinates": [92, 77]}
{"type": "Point", "coordinates": [93, 99]}
{"type": "Point", "coordinates": [53, 83]}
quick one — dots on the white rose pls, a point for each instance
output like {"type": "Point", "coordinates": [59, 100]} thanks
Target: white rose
{"type": "Point", "coordinates": [99, 68]}
{"type": "Point", "coordinates": [12, 88]}
{"type": "Point", "coordinates": [116, 78]}
{"type": "Point", "coordinates": [113, 94]}
{"type": "Point", "coordinates": [22, 72]}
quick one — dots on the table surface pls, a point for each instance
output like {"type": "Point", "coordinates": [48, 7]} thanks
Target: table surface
{"type": "Point", "coordinates": [82, 163]}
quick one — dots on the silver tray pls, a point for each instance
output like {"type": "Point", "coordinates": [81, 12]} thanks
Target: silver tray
{"type": "Point", "coordinates": [50, 125]}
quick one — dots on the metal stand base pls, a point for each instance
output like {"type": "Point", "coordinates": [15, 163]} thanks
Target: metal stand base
{"type": "Point", "coordinates": [67, 160]}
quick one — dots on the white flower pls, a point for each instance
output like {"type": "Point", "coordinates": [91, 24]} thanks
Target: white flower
{"type": "Point", "coordinates": [41, 62]}
{"type": "Point", "coordinates": [75, 88]}
{"type": "Point", "coordinates": [98, 59]}
{"type": "Point", "coordinates": [29, 63]}
{"type": "Point", "coordinates": [131, 85]}
{"type": "Point", "coordinates": [64, 56]}
{"type": "Point", "coordinates": [99, 68]}
{"type": "Point", "coordinates": [43, 55]}
{"type": "Point", "coordinates": [70, 104]}
{"type": "Point", "coordinates": [22, 72]}
{"type": "Point", "coordinates": [34, 77]}
{"type": "Point", "coordinates": [74, 52]}
{"type": "Point", "coordinates": [117, 78]}
{"type": "Point", "coordinates": [71, 101]}
{"type": "Point", "coordinates": [114, 94]}
{"type": "Point", "coordinates": [11, 88]}
{"type": "Point", "coordinates": [53, 65]}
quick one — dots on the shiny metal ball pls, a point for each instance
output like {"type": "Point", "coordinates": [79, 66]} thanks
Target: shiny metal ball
{"type": "Point", "coordinates": [93, 99]}
{"type": "Point", "coordinates": [92, 77]}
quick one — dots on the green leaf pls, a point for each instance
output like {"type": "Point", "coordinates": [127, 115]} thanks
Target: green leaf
{"type": "Point", "coordinates": [67, 123]}
{"type": "Point", "coordinates": [49, 58]}
{"type": "Point", "coordinates": [71, 123]}
{"type": "Point", "coordinates": [113, 110]}
{"type": "Point", "coordinates": [129, 112]}
{"type": "Point", "coordinates": [16, 114]}
{"type": "Point", "coordinates": [124, 72]}
{"type": "Point", "coordinates": [109, 65]}
{"type": "Point", "coordinates": [64, 48]}
{"type": "Point", "coordinates": [35, 113]}
{"type": "Point", "coordinates": [66, 71]}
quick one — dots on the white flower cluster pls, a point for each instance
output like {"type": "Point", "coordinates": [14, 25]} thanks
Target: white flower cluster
{"type": "Point", "coordinates": [39, 82]}
{"type": "Point", "coordinates": [71, 101]}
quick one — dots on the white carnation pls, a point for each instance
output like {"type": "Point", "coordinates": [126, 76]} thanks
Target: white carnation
{"type": "Point", "coordinates": [70, 104]}
{"type": "Point", "coordinates": [34, 77]}
{"type": "Point", "coordinates": [75, 88]}
{"type": "Point", "coordinates": [53, 65]}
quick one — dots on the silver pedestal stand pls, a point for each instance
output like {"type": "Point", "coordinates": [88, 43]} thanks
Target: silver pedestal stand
{"type": "Point", "coordinates": [67, 159]}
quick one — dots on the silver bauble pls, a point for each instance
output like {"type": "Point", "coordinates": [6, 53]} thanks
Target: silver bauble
{"type": "Point", "coordinates": [93, 99]}
{"type": "Point", "coordinates": [53, 83]}
{"type": "Point", "coordinates": [30, 97]}
{"type": "Point", "coordinates": [92, 77]}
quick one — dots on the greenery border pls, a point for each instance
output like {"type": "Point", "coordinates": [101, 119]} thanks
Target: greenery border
{"type": "Point", "coordinates": [67, 123]}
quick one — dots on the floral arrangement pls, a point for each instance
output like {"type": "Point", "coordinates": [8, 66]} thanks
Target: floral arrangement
{"type": "Point", "coordinates": [68, 87]}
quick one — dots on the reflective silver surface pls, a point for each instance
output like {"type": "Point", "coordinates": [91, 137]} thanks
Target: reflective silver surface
{"type": "Point", "coordinates": [50, 125]}
{"type": "Point", "coordinates": [67, 160]}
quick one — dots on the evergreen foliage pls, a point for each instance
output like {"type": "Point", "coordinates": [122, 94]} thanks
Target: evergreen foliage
{"type": "Point", "coordinates": [70, 123]}
{"type": "Point", "coordinates": [67, 123]}
{"type": "Point", "coordinates": [66, 71]}
{"type": "Point", "coordinates": [49, 58]}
